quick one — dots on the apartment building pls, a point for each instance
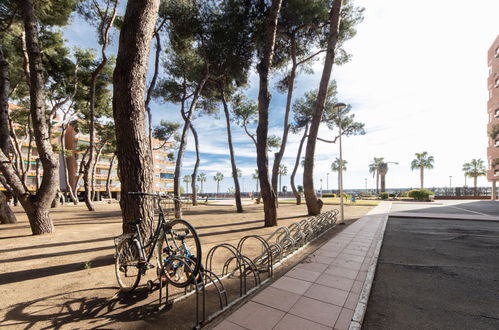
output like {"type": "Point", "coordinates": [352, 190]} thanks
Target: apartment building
{"type": "Point", "coordinates": [106, 165]}
{"type": "Point", "coordinates": [493, 115]}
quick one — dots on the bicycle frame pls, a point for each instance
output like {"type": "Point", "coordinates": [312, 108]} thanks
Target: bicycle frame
{"type": "Point", "coordinates": [162, 224]}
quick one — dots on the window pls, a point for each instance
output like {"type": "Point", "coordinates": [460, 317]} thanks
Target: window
{"type": "Point", "coordinates": [166, 175]}
{"type": "Point", "coordinates": [497, 52]}
{"type": "Point", "coordinates": [496, 84]}
{"type": "Point", "coordinates": [496, 144]}
{"type": "Point", "coordinates": [496, 113]}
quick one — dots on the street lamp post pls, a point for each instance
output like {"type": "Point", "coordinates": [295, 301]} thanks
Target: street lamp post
{"type": "Point", "coordinates": [327, 181]}
{"type": "Point", "coordinates": [339, 107]}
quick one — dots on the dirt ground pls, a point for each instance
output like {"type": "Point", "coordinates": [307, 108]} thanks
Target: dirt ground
{"type": "Point", "coordinates": [67, 280]}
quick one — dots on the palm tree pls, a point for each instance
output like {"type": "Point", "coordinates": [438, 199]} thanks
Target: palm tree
{"type": "Point", "coordinates": [474, 169]}
{"type": "Point", "coordinates": [187, 179]}
{"type": "Point", "coordinates": [201, 178]}
{"type": "Point", "coordinates": [422, 161]}
{"type": "Point", "coordinates": [335, 167]}
{"type": "Point", "coordinates": [283, 170]}
{"type": "Point", "coordinates": [218, 177]}
{"type": "Point", "coordinates": [374, 169]}
{"type": "Point", "coordinates": [383, 169]}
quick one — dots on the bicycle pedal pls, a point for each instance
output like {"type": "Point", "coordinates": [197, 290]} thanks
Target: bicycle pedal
{"type": "Point", "coordinates": [150, 266]}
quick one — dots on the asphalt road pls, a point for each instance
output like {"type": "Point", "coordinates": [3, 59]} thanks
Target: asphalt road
{"type": "Point", "coordinates": [437, 274]}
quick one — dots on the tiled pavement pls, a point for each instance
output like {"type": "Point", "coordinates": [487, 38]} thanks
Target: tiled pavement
{"type": "Point", "coordinates": [323, 291]}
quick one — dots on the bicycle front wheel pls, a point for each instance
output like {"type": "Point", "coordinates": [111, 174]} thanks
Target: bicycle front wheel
{"type": "Point", "coordinates": [127, 265]}
{"type": "Point", "coordinates": [179, 253]}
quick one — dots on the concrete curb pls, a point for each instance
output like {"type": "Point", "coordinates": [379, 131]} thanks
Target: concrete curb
{"type": "Point", "coordinates": [443, 216]}
{"type": "Point", "coordinates": [361, 308]}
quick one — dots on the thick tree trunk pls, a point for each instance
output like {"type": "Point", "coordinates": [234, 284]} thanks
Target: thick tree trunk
{"type": "Point", "coordinates": [263, 68]}
{"type": "Point", "coordinates": [183, 144]}
{"type": "Point", "coordinates": [108, 179]}
{"type": "Point", "coordinates": [297, 163]}
{"type": "Point", "coordinates": [422, 176]}
{"type": "Point", "coordinates": [38, 206]}
{"type": "Point", "coordinates": [314, 205]}
{"type": "Point", "coordinates": [196, 166]}
{"type": "Point", "coordinates": [39, 218]}
{"type": "Point", "coordinates": [134, 155]}
{"type": "Point", "coordinates": [474, 186]}
{"type": "Point", "coordinates": [237, 194]}
{"type": "Point", "coordinates": [382, 179]}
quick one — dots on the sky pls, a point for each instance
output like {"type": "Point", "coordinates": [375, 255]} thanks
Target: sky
{"type": "Point", "coordinates": [417, 80]}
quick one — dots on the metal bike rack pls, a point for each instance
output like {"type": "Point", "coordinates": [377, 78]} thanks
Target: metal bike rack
{"type": "Point", "coordinates": [272, 251]}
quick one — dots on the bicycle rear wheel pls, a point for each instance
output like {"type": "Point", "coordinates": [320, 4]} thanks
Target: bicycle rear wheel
{"type": "Point", "coordinates": [127, 265]}
{"type": "Point", "coordinates": [179, 253]}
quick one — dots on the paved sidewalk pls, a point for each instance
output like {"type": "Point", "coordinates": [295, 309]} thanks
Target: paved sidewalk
{"type": "Point", "coordinates": [323, 291]}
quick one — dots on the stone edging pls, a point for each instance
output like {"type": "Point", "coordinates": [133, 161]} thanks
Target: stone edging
{"type": "Point", "coordinates": [361, 308]}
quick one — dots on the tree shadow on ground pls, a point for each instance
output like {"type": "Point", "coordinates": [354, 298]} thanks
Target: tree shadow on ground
{"type": "Point", "coordinates": [72, 308]}
{"type": "Point", "coordinates": [41, 246]}
{"type": "Point", "coordinates": [29, 274]}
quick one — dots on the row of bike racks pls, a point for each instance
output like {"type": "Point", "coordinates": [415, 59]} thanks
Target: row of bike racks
{"type": "Point", "coordinates": [248, 265]}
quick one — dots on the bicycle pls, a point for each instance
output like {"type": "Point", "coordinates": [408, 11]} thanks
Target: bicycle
{"type": "Point", "coordinates": [177, 246]}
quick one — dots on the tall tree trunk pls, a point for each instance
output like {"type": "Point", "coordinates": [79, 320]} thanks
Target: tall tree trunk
{"type": "Point", "coordinates": [6, 214]}
{"type": "Point", "coordinates": [94, 168]}
{"type": "Point", "coordinates": [263, 68]}
{"type": "Point", "coordinates": [383, 183]}
{"type": "Point", "coordinates": [81, 170]}
{"type": "Point", "coordinates": [475, 185]}
{"type": "Point", "coordinates": [297, 163]}
{"type": "Point", "coordinates": [72, 194]}
{"type": "Point", "coordinates": [183, 143]}
{"type": "Point", "coordinates": [421, 170]}
{"type": "Point", "coordinates": [134, 155]}
{"type": "Point", "coordinates": [339, 190]}
{"type": "Point", "coordinates": [104, 28]}
{"type": "Point", "coordinates": [237, 194]}
{"type": "Point", "coordinates": [194, 174]}
{"type": "Point", "coordinates": [314, 205]}
{"type": "Point", "coordinates": [377, 182]}
{"type": "Point", "coordinates": [108, 179]}
{"type": "Point", "coordinates": [278, 155]}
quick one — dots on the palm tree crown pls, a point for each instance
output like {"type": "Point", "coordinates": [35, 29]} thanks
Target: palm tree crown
{"type": "Point", "coordinates": [422, 161]}
{"type": "Point", "coordinates": [335, 166]}
{"type": "Point", "coordinates": [475, 168]}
